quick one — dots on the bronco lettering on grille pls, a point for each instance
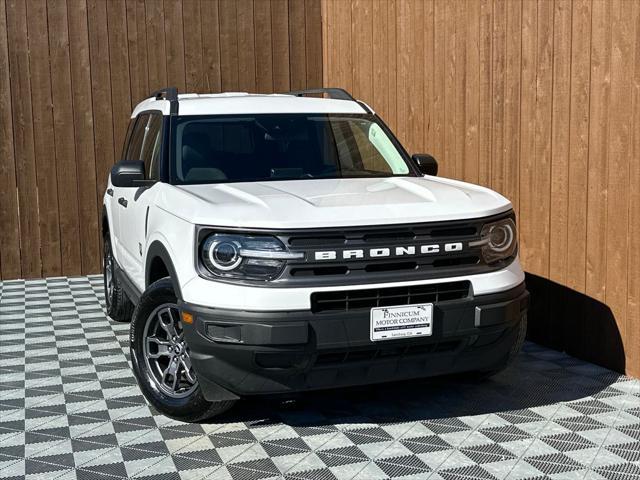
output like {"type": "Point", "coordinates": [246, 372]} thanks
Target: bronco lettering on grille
{"type": "Point", "coordinates": [386, 252]}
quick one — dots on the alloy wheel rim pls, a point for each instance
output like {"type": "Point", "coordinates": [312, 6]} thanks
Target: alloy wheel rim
{"type": "Point", "coordinates": [166, 353]}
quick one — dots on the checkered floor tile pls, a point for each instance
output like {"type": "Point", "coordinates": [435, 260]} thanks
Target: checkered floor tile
{"type": "Point", "coordinates": [70, 408]}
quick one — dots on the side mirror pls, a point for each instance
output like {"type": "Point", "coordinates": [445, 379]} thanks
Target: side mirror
{"type": "Point", "coordinates": [128, 173]}
{"type": "Point", "coordinates": [426, 163]}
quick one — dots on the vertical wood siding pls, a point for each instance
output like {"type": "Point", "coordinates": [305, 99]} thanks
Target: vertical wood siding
{"type": "Point", "coordinates": [539, 100]}
{"type": "Point", "coordinates": [71, 72]}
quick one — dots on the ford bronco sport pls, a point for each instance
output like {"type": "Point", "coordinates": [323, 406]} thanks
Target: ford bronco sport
{"type": "Point", "coordinates": [274, 244]}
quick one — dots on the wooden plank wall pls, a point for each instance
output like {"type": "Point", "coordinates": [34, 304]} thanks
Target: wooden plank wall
{"type": "Point", "coordinates": [539, 100]}
{"type": "Point", "coordinates": [71, 72]}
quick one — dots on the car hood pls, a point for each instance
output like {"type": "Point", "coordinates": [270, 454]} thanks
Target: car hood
{"type": "Point", "coordinates": [312, 203]}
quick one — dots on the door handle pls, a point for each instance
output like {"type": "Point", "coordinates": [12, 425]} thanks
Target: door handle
{"type": "Point", "coordinates": [110, 192]}
{"type": "Point", "coordinates": [123, 201]}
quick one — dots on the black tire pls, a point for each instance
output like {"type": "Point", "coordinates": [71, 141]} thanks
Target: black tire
{"type": "Point", "coordinates": [191, 406]}
{"type": "Point", "coordinates": [511, 356]}
{"type": "Point", "coordinates": [119, 307]}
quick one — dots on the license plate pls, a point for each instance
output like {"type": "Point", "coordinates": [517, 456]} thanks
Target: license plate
{"type": "Point", "coordinates": [390, 323]}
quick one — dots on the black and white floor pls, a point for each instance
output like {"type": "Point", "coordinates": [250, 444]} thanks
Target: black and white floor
{"type": "Point", "coordinates": [70, 408]}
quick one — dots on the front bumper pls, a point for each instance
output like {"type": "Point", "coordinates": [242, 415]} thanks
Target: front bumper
{"type": "Point", "coordinates": [237, 353]}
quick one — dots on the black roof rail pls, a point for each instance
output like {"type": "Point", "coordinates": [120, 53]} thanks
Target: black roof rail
{"type": "Point", "coordinates": [167, 93]}
{"type": "Point", "coordinates": [336, 93]}
{"type": "Point", "coordinates": [170, 94]}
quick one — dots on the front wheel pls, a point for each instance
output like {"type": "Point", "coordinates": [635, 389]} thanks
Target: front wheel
{"type": "Point", "coordinates": [161, 360]}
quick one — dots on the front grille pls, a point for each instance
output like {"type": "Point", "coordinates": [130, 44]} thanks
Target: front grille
{"type": "Point", "coordinates": [368, 268]}
{"type": "Point", "coordinates": [377, 254]}
{"type": "Point", "coordinates": [377, 266]}
{"type": "Point", "coordinates": [350, 300]}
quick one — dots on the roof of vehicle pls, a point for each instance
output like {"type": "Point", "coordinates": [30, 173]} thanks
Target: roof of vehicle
{"type": "Point", "coordinates": [230, 103]}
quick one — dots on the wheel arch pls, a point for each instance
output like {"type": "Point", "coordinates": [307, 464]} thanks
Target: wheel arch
{"type": "Point", "coordinates": [159, 265]}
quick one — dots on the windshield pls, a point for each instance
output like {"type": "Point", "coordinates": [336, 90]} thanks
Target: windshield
{"type": "Point", "coordinates": [245, 148]}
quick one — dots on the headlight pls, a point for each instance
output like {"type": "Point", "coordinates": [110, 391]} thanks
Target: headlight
{"type": "Point", "coordinates": [251, 257]}
{"type": "Point", "coordinates": [499, 240]}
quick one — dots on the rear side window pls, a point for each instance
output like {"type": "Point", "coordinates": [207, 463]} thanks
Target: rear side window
{"type": "Point", "coordinates": [151, 143]}
{"type": "Point", "coordinates": [137, 136]}
{"type": "Point", "coordinates": [145, 142]}
{"type": "Point", "coordinates": [127, 138]}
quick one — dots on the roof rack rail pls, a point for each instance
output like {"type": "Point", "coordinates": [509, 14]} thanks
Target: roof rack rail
{"type": "Point", "coordinates": [336, 93]}
{"type": "Point", "coordinates": [167, 93]}
{"type": "Point", "coordinates": [170, 94]}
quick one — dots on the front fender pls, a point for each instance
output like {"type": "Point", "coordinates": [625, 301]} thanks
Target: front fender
{"type": "Point", "coordinates": [158, 250]}
{"type": "Point", "coordinates": [171, 239]}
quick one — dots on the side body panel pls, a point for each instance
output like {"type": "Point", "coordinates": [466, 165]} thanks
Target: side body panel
{"type": "Point", "coordinates": [176, 235]}
{"type": "Point", "coordinates": [134, 225]}
{"type": "Point", "coordinates": [113, 195]}
{"type": "Point", "coordinates": [110, 207]}
{"type": "Point", "coordinates": [148, 139]}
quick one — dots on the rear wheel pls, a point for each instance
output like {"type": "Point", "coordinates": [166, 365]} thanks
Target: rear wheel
{"type": "Point", "coordinates": [161, 360]}
{"type": "Point", "coordinates": [119, 307]}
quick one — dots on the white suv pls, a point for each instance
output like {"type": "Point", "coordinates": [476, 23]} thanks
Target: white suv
{"type": "Point", "coordinates": [274, 244]}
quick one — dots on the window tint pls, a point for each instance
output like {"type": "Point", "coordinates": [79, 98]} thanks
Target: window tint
{"type": "Point", "coordinates": [364, 153]}
{"type": "Point", "coordinates": [123, 155]}
{"type": "Point", "coordinates": [241, 148]}
{"type": "Point", "coordinates": [151, 143]}
{"type": "Point", "coordinates": [137, 136]}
